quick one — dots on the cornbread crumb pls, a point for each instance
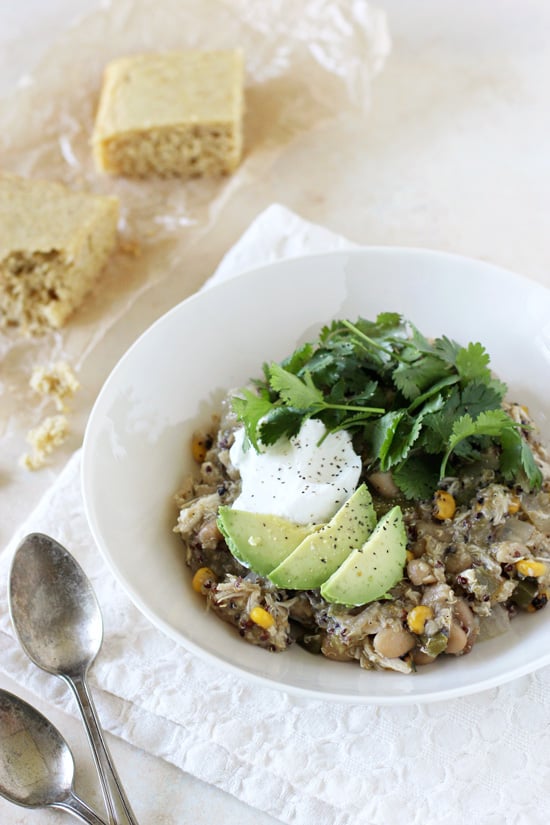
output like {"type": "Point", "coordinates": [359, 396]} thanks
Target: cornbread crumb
{"type": "Point", "coordinates": [131, 248]}
{"type": "Point", "coordinates": [57, 382]}
{"type": "Point", "coordinates": [171, 113]}
{"type": "Point", "coordinates": [44, 439]}
{"type": "Point", "coordinates": [53, 245]}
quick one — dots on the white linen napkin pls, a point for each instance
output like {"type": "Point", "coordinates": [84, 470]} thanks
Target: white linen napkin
{"type": "Point", "coordinates": [482, 759]}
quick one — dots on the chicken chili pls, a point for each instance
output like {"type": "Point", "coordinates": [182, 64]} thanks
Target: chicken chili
{"type": "Point", "coordinates": [372, 498]}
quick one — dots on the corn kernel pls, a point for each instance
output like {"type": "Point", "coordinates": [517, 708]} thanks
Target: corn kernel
{"type": "Point", "coordinates": [200, 444]}
{"type": "Point", "coordinates": [514, 505]}
{"type": "Point", "coordinates": [530, 567]}
{"type": "Point", "coordinates": [261, 617]}
{"type": "Point", "coordinates": [418, 617]}
{"type": "Point", "coordinates": [444, 505]}
{"type": "Point", "coordinates": [409, 555]}
{"type": "Point", "coordinates": [200, 578]}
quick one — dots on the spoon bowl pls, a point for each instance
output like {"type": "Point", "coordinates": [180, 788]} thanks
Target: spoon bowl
{"type": "Point", "coordinates": [36, 763]}
{"type": "Point", "coordinates": [58, 622]}
{"type": "Point", "coordinates": [54, 608]}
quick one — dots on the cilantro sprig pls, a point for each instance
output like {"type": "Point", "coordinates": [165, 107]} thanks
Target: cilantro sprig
{"type": "Point", "coordinates": [422, 408]}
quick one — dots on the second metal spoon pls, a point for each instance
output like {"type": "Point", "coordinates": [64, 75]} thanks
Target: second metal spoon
{"type": "Point", "coordinates": [36, 764]}
{"type": "Point", "coordinates": [58, 622]}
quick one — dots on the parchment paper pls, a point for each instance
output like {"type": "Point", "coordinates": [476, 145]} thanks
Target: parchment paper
{"type": "Point", "coordinates": [307, 62]}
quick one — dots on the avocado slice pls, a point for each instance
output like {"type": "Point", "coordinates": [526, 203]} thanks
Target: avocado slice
{"type": "Point", "coordinates": [260, 542]}
{"type": "Point", "coordinates": [319, 555]}
{"type": "Point", "coordinates": [370, 571]}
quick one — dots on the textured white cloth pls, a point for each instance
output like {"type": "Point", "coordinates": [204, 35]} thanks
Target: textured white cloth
{"type": "Point", "coordinates": [482, 759]}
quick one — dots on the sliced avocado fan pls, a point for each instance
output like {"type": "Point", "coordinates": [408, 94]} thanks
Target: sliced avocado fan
{"type": "Point", "coordinates": [322, 552]}
{"type": "Point", "coordinates": [373, 569]}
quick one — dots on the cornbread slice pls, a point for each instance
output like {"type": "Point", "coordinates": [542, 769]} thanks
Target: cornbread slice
{"type": "Point", "coordinates": [171, 113]}
{"type": "Point", "coordinates": [53, 245]}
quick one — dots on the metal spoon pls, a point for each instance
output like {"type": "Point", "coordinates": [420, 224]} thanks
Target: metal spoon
{"type": "Point", "coordinates": [36, 764]}
{"type": "Point", "coordinates": [57, 619]}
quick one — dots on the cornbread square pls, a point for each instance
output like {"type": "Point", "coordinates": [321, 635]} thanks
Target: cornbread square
{"type": "Point", "coordinates": [53, 245]}
{"type": "Point", "coordinates": [171, 113]}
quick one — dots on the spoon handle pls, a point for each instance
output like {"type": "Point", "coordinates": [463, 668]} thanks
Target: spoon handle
{"type": "Point", "coordinates": [78, 808]}
{"type": "Point", "coordinates": [118, 807]}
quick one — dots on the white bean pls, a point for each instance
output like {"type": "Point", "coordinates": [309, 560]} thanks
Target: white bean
{"type": "Point", "coordinates": [393, 643]}
{"type": "Point", "coordinates": [420, 572]}
{"type": "Point", "coordinates": [421, 658]}
{"type": "Point", "coordinates": [457, 639]}
{"type": "Point", "coordinates": [209, 535]}
{"type": "Point", "coordinates": [384, 484]}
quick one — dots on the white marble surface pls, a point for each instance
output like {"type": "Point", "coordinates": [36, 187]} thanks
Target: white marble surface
{"type": "Point", "coordinates": [454, 157]}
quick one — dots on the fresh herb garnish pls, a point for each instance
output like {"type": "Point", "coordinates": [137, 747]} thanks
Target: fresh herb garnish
{"type": "Point", "coordinates": [422, 407]}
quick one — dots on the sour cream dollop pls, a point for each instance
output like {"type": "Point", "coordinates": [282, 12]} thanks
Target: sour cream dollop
{"type": "Point", "coordinates": [298, 478]}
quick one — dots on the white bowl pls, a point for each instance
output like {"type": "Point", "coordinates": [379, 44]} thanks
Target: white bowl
{"type": "Point", "coordinates": [136, 448]}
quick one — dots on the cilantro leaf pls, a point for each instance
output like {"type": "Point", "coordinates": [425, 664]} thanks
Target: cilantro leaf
{"type": "Point", "coordinates": [498, 387]}
{"type": "Point", "coordinates": [365, 394]}
{"type": "Point", "coordinates": [492, 422]}
{"type": "Point", "coordinates": [372, 349]}
{"type": "Point", "coordinates": [295, 392]}
{"type": "Point", "coordinates": [516, 457]}
{"type": "Point", "coordinates": [529, 466]}
{"type": "Point", "coordinates": [417, 477]}
{"type": "Point", "coordinates": [250, 409]}
{"type": "Point", "coordinates": [298, 359]}
{"type": "Point", "coordinates": [389, 321]}
{"type": "Point", "coordinates": [279, 422]}
{"type": "Point", "coordinates": [407, 433]}
{"type": "Point", "coordinates": [382, 436]}
{"type": "Point", "coordinates": [340, 393]}
{"type": "Point", "coordinates": [510, 463]}
{"type": "Point", "coordinates": [386, 326]}
{"type": "Point", "coordinates": [338, 361]}
{"type": "Point", "coordinates": [419, 341]}
{"type": "Point", "coordinates": [472, 363]}
{"type": "Point", "coordinates": [472, 400]}
{"type": "Point", "coordinates": [447, 349]}
{"type": "Point", "coordinates": [413, 379]}
{"type": "Point", "coordinates": [477, 397]}
{"type": "Point", "coordinates": [405, 380]}
{"type": "Point", "coordinates": [435, 389]}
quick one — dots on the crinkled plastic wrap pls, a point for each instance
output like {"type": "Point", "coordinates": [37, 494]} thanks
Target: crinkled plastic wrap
{"type": "Point", "coordinates": [307, 63]}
